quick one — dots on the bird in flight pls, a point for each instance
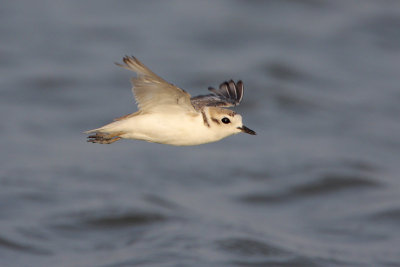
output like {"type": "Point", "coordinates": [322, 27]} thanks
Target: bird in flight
{"type": "Point", "coordinates": [169, 115]}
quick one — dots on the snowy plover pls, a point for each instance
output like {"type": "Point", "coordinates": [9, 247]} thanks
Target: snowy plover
{"type": "Point", "coordinates": [168, 115]}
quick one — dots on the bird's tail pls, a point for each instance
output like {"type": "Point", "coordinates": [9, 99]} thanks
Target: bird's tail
{"type": "Point", "coordinates": [104, 135]}
{"type": "Point", "coordinates": [107, 134]}
{"type": "Point", "coordinates": [103, 138]}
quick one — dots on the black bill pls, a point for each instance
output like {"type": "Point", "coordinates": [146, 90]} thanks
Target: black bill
{"type": "Point", "coordinates": [247, 130]}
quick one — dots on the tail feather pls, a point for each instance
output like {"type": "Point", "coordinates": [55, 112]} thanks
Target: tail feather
{"type": "Point", "coordinates": [103, 138]}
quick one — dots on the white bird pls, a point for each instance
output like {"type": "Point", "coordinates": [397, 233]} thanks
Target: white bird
{"type": "Point", "coordinates": [168, 114]}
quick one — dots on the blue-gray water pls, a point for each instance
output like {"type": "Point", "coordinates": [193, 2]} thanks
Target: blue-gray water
{"type": "Point", "coordinates": [318, 186]}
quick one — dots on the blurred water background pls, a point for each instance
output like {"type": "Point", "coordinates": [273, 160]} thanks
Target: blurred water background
{"type": "Point", "coordinates": [318, 186]}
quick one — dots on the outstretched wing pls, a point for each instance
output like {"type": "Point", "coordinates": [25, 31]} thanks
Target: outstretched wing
{"type": "Point", "coordinates": [229, 94]}
{"type": "Point", "coordinates": [152, 93]}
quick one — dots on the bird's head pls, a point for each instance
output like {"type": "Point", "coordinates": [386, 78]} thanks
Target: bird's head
{"type": "Point", "coordinates": [228, 122]}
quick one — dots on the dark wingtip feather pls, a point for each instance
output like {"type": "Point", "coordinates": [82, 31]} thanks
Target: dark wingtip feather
{"type": "Point", "coordinates": [212, 89]}
{"type": "Point", "coordinates": [223, 89]}
{"type": "Point", "coordinates": [232, 89]}
{"type": "Point", "coordinates": [126, 59]}
{"type": "Point", "coordinates": [239, 91]}
{"type": "Point", "coordinates": [228, 94]}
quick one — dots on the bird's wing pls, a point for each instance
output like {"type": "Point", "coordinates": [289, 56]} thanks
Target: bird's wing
{"type": "Point", "coordinates": [154, 94]}
{"type": "Point", "coordinates": [229, 94]}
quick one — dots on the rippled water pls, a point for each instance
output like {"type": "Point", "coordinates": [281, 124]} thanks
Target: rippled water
{"type": "Point", "coordinates": [318, 186]}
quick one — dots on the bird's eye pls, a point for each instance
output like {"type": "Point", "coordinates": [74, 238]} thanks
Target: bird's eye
{"type": "Point", "coordinates": [225, 120]}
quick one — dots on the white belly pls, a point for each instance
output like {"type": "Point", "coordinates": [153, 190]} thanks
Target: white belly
{"type": "Point", "coordinates": [179, 130]}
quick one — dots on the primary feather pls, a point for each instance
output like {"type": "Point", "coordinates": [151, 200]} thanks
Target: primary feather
{"type": "Point", "coordinates": [153, 93]}
{"type": "Point", "coordinates": [229, 94]}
